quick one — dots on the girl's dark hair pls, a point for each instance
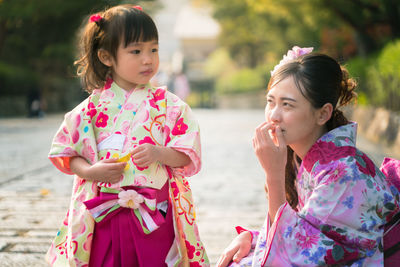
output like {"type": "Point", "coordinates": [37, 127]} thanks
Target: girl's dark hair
{"type": "Point", "coordinates": [321, 80]}
{"type": "Point", "coordinates": [118, 25]}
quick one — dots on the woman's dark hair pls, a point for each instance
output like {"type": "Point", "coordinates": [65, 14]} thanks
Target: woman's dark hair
{"type": "Point", "coordinates": [320, 80]}
{"type": "Point", "coordinates": [118, 25]}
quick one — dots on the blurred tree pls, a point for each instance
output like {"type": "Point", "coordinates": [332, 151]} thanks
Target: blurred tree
{"type": "Point", "coordinates": [254, 30]}
{"type": "Point", "coordinates": [37, 46]}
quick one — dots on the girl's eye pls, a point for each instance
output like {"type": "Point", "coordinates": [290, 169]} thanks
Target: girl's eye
{"type": "Point", "coordinates": [154, 50]}
{"type": "Point", "coordinates": [135, 52]}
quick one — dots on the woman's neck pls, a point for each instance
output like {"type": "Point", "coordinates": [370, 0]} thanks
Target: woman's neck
{"type": "Point", "coordinates": [301, 148]}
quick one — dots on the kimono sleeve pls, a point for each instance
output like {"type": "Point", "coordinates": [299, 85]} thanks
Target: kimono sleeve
{"type": "Point", "coordinates": [329, 229]}
{"type": "Point", "coordinates": [75, 137]}
{"type": "Point", "coordinates": [182, 134]}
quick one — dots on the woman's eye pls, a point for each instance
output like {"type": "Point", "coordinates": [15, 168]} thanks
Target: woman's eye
{"type": "Point", "coordinates": [285, 104]}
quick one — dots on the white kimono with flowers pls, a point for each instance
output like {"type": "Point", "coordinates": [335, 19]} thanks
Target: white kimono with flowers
{"type": "Point", "coordinates": [110, 123]}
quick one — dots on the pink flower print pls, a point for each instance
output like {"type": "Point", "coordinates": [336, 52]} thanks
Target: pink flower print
{"type": "Point", "coordinates": [108, 83]}
{"type": "Point", "coordinates": [125, 127]}
{"type": "Point", "coordinates": [62, 137]}
{"type": "Point", "coordinates": [167, 138]}
{"type": "Point", "coordinates": [88, 151]}
{"type": "Point", "coordinates": [130, 199]}
{"type": "Point", "coordinates": [101, 120]}
{"type": "Point", "coordinates": [337, 173]}
{"type": "Point", "coordinates": [88, 243]}
{"type": "Point", "coordinates": [306, 241]}
{"type": "Point", "coordinates": [153, 104]}
{"type": "Point", "coordinates": [128, 106]}
{"type": "Point", "coordinates": [75, 137]}
{"type": "Point", "coordinates": [147, 140]}
{"type": "Point", "coordinates": [159, 95]}
{"type": "Point", "coordinates": [140, 180]}
{"type": "Point", "coordinates": [91, 110]}
{"type": "Point", "coordinates": [180, 127]}
{"type": "Point", "coordinates": [138, 167]}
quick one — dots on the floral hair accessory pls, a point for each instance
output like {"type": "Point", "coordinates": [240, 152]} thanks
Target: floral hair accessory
{"type": "Point", "coordinates": [138, 7]}
{"type": "Point", "coordinates": [96, 18]}
{"type": "Point", "coordinates": [291, 55]}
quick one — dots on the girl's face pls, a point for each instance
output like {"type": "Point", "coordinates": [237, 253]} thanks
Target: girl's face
{"type": "Point", "coordinates": [299, 121]}
{"type": "Point", "coordinates": [135, 64]}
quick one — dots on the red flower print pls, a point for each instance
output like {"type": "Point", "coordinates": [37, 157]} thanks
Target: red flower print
{"type": "Point", "coordinates": [91, 110]}
{"type": "Point", "coordinates": [101, 120]}
{"type": "Point", "coordinates": [190, 249]}
{"type": "Point", "coordinates": [108, 84]}
{"type": "Point", "coordinates": [159, 95]}
{"type": "Point", "coordinates": [369, 168]}
{"type": "Point", "coordinates": [195, 264]}
{"type": "Point", "coordinates": [138, 167]}
{"type": "Point", "coordinates": [325, 152]}
{"type": "Point", "coordinates": [180, 127]}
{"type": "Point", "coordinates": [339, 255]}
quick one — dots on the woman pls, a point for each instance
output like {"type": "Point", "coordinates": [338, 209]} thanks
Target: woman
{"type": "Point", "coordinates": [328, 203]}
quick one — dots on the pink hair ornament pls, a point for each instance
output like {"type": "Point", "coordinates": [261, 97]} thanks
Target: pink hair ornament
{"type": "Point", "coordinates": [95, 18]}
{"type": "Point", "coordinates": [291, 55]}
{"type": "Point", "coordinates": [138, 7]}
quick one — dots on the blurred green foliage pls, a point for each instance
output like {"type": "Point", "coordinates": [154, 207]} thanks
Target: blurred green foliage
{"type": "Point", "coordinates": [37, 50]}
{"type": "Point", "coordinates": [257, 33]}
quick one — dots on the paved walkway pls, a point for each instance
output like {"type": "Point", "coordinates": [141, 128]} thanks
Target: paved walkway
{"type": "Point", "coordinates": [34, 195]}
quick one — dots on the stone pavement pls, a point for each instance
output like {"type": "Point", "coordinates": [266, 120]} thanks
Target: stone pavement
{"type": "Point", "coordinates": [34, 195]}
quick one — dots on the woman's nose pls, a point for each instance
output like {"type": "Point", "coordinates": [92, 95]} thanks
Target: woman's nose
{"type": "Point", "coordinates": [275, 115]}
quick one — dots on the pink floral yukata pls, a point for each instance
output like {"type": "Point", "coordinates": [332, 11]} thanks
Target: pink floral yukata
{"type": "Point", "coordinates": [110, 123]}
{"type": "Point", "coordinates": [344, 203]}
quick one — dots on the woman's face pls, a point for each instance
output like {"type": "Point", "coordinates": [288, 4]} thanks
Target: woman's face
{"type": "Point", "coordinates": [289, 109]}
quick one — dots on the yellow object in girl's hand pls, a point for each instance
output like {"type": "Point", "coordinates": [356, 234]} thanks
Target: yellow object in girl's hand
{"type": "Point", "coordinates": [125, 159]}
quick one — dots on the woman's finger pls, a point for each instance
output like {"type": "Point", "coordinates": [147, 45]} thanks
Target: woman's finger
{"type": "Point", "coordinates": [280, 138]}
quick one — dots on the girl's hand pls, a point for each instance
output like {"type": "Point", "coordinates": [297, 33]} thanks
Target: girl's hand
{"type": "Point", "coordinates": [144, 155]}
{"type": "Point", "coordinates": [107, 171]}
{"type": "Point", "coordinates": [270, 149]}
{"type": "Point", "coordinates": [239, 248]}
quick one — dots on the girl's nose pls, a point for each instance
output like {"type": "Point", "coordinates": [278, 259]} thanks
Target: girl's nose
{"type": "Point", "coordinates": [147, 59]}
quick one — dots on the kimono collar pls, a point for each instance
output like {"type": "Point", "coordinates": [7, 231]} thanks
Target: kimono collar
{"type": "Point", "coordinates": [337, 143]}
{"type": "Point", "coordinates": [114, 86]}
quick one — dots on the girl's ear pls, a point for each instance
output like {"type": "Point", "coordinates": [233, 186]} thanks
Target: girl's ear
{"type": "Point", "coordinates": [104, 57]}
{"type": "Point", "coordinates": [325, 113]}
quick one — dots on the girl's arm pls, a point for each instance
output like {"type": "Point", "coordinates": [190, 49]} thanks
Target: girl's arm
{"type": "Point", "coordinates": [146, 154]}
{"type": "Point", "coordinates": [108, 170]}
{"type": "Point", "coordinates": [271, 152]}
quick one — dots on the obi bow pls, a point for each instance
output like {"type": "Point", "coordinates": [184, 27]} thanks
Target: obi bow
{"type": "Point", "coordinates": [141, 201]}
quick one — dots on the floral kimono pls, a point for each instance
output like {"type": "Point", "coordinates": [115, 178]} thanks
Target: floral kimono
{"type": "Point", "coordinates": [110, 123]}
{"type": "Point", "coordinates": [344, 203]}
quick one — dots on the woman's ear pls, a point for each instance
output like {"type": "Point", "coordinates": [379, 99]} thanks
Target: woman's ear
{"type": "Point", "coordinates": [325, 113]}
{"type": "Point", "coordinates": [104, 57]}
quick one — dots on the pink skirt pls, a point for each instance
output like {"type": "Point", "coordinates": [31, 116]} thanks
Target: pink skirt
{"type": "Point", "coordinates": [120, 241]}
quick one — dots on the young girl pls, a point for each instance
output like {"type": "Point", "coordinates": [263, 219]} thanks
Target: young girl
{"type": "Point", "coordinates": [130, 145]}
{"type": "Point", "coordinates": [328, 203]}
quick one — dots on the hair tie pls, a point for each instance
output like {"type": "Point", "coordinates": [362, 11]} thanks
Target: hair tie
{"type": "Point", "coordinates": [96, 18]}
{"type": "Point", "coordinates": [291, 55]}
{"type": "Point", "coordinates": [138, 7]}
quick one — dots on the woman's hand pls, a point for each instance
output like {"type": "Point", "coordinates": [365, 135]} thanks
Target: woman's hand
{"type": "Point", "coordinates": [270, 149]}
{"type": "Point", "coordinates": [107, 170]}
{"type": "Point", "coordinates": [238, 248]}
